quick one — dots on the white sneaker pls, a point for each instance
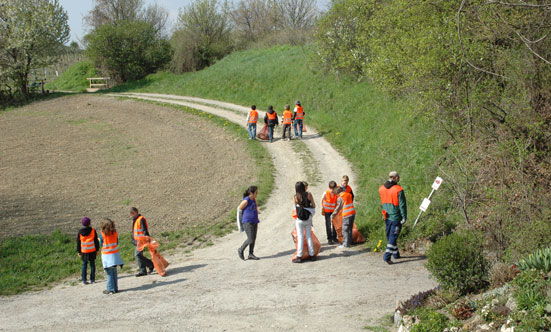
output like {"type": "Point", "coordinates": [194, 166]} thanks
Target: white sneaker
{"type": "Point", "coordinates": [341, 247]}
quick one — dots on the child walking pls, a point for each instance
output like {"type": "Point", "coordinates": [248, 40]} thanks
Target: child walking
{"type": "Point", "coordinates": [287, 122]}
{"type": "Point", "coordinates": [110, 256]}
{"type": "Point", "coordinates": [87, 247]}
{"type": "Point", "coordinates": [252, 119]}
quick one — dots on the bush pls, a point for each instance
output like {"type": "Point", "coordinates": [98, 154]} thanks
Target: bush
{"type": "Point", "coordinates": [457, 261]}
{"type": "Point", "coordinates": [430, 321]}
{"type": "Point", "coordinates": [501, 273]}
{"type": "Point", "coordinates": [530, 290]}
{"type": "Point", "coordinates": [539, 260]}
{"type": "Point", "coordinates": [128, 50]}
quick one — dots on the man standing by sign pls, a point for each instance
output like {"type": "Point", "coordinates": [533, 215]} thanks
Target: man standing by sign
{"type": "Point", "coordinates": [394, 204]}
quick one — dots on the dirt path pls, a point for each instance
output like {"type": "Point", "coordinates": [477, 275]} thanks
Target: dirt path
{"type": "Point", "coordinates": [212, 290]}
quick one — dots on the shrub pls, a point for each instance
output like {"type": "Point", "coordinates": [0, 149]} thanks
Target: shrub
{"type": "Point", "coordinates": [430, 321]}
{"type": "Point", "coordinates": [501, 273]}
{"type": "Point", "coordinates": [416, 301]}
{"type": "Point", "coordinates": [530, 290]}
{"type": "Point", "coordinates": [539, 260]}
{"type": "Point", "coordinates": [457, 261]}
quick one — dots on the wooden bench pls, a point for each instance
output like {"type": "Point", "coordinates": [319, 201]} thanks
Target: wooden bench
{"type": "Point", "coordinates": [97, 83]}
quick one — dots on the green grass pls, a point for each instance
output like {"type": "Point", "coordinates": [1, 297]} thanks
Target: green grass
{"type": "Point", "coordinates": [36, 261]}
{"type": "Point", "coordinates": [74, 78]}
{"type": "Point", "coordinates": [374, 131]}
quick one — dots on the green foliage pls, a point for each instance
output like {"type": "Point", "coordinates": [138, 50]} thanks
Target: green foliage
{"type": "Point", "coordinates": [532, 291]}
{"type": "Point", "coordinates": [539, 260]}
{"type": "Point", "coordinates": [457, 261]}
{"type": "Point", "coordinates": [375, 132]}
{"type": "Point", "coordinates": [128, 50]}
{"type": "Point", "coordinates": [430, 321]}
{"type": "Point", "coordinates": [75, 77]}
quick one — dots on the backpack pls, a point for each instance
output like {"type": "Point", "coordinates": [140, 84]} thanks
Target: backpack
{"type": "Point", "coordinates": [302, 213]}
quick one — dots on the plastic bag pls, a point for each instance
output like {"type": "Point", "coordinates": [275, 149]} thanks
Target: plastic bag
{"type": "Point", "coordinates": [305, 253]}
{"type": "Point", "coordinates": [159, 262]}
{"type": "Point", "coordinates": [263, 133]}
{"type": "Point", "coordinates": [357, 237]}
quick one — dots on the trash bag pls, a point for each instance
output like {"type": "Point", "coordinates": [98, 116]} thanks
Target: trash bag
{"type": "Point", "coordinates": [357, 237]}
{"type": "Point", "coordinates": [304, 128]}
{"type": "Point", "coordinates": [263, 133]}
{"type": "Point", "coordinates": [159, 262]}
{"type": "Point", "coordinates": [305, 253]}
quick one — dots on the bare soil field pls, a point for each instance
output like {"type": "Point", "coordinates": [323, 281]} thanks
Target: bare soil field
{"type": "Point", "coordinates": [94, 156]}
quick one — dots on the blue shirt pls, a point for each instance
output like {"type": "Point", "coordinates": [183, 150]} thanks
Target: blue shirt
{"type": "Point", "coordinates": [250, 213]}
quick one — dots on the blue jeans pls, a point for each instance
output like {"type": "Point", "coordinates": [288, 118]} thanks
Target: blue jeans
{"type": "Point", "coordinates": [300, 125]}
{"type": "Point", "coordinates": [112, 282]}
{"type": "Point", "coordinates": [252, 130]}
{"type": "Point", "coordinates": [393, 229]}
{"type": "Point", "coordinates": [271, 133]}
{"type": "Point", "coordinates": [92, 270]}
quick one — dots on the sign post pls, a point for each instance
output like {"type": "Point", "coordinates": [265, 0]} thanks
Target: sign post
{"type": "Point", "coordinates": [426, 202]}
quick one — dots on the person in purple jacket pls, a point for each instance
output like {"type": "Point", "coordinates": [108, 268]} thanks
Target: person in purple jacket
{"type": "Point", "coordinates": [248, 215]}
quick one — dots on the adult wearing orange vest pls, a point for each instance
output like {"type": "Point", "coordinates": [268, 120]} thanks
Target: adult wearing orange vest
{"type": "Point", "coordinates": [271, 120]}
{"type": "Point", "coordinates": [298, 117]}
{"type": "Point", "coordinates": [394, 204]}
{"type": "Point", "coordinates": [328, 206]}
{"type": "Point", "coordinates": [287, 122]}
{"type": "Point", "coordinates": [87, 248]}
{"type": "Point", "coordinates": [345, 206]}
{"type": "Point", "coordinates": [140, 228]}
{"type": "Point", "coordinates": [110, 256]}
{"type": "Point", "coordinates": [252, 119]}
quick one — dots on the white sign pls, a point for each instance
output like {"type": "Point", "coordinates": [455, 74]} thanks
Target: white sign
{"type": "Point", "coordinates": [425, 205]}
{"type": "Point", "coordinates": [437, 183]}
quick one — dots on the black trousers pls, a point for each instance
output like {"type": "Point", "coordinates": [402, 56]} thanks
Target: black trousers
{"type": "Point", "coordinates": [250, 230]}
{"type": "Point", "coordinates": [329, 228]}
{"type": "Point", "coordinates": [286, 131]}
{"type": "Point", "coordinates": [143, 262]}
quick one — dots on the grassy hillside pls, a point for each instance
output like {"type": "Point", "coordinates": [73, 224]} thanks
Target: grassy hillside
{"type": "Point", "coordinates": [74, 78]}
{"type": "Point", "coordinates": [376, 132]}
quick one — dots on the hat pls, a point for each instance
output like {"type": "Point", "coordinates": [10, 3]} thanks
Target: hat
{"type": "Point", "coordinates": [297, 102]}
{"type": "Point", "coordinates": [393, 174]}
{"type": "Point", "coordinates": [85, 221]}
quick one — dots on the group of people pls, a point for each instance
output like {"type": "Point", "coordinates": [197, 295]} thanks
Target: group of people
{"type": "Point", "coordinates": [335, 201]}
{"type": "Point", "coordinates": [293, 119]}
{"type": "Point", "coordinates": [89, 244]}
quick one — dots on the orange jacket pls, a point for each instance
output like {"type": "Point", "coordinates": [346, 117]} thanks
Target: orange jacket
{"type": "Point", "coordinates": [253, 116]}
{"type": "Point", "coordinates": [348, 205]}
{"type": "Point", "coordinates": [330, 201]}
{"type": "Point", "coordinates": [110, 244]}
{"type": "Point", "coordinates": [87, 244]}
{"type": "Point", "coordinates": [299, 113]}
{"type": "Point", "coordinates": [139, 232]}
{"type": "Point", "coordinates": [287, 117]}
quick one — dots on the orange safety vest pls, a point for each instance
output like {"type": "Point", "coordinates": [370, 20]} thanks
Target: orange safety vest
{"type": "Point", "coordinates": [390, 196]}
{"type": "Point", "coordinates": [329, 204]}
{"type": "Point", "coordinates": [253, 116]}
{"type": "Point", "coordinates": [348, 189]}
{"type": "Point", "coordinates": [300, 113]}
{"type": "Point", "coordinates": [294, 213]}
{"type": "Point", "coordinates": [271, 116]}
{"type": "Point", "coordinates": [287, 117]}
{"type": "Point", "coordinates": [348, 205]}
{"type": "Point", "coordinates": [139, 232]}
{"type": "Point", "coordinates": [87, 244]}
{"type": "Point", "coordinates": [110, 244]}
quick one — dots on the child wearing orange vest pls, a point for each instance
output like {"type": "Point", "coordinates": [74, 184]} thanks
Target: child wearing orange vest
{"type": "Point", "coordinates": [345, 206]}
{"type": "Point", "coordinates": [328, 205]}
{"type": "Point", "coordinates": [87, 247]}
{"type": "Point", "coordinates": [298, 117]}
{"type": "Point", "coordinates": [252, 119]}
{"type": "Point", "coordinates": [287, 122]}
{"type": "Point", "coordinates": [110, 256]}
{"type": "Point", "coordinates": [271, 120]}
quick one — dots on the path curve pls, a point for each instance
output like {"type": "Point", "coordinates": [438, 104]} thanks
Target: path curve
{"type": "Point", "coordinates": [212, 290]}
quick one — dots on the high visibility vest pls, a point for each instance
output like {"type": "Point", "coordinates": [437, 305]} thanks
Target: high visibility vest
{"type": "Point", "coordinates": [300, 113]}
{"type": "Point", "coordinates": [87, 244]}
{"type": "Point", "coordinates": [271, 116]}
{"type": "Point", "coordinates": [110, 244]}
{"type": "Point", "coordinates": [390, 196]}
{"type": "Point", "coordinates": [348, 205]}
{"type": "Point", "coordinates": [294, 213]}
{"type": "Point", "coordinates": [139, 232]}
{"type": "Point", "coordinates": [253, 116]}
{"type": "Point", "coordinates": [348, 189]}
{"type": "Point", "coordinates": [329, 204]}
{"type": "Point", "coordinates": [287, 117]}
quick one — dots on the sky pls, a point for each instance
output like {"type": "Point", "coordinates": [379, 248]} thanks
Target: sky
{"type": "Point", "coordinates": [77, 9]}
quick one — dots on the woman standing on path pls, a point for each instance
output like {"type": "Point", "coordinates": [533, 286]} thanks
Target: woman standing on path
{"type": "Point", "coordinates": [110, 256]}
{"type": "Point", "coordinates": [248, 214]}
{"type": "Point", "coordinates": [305, 207]}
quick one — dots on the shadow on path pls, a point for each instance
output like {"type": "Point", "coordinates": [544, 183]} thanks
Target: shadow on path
{"type": "Point", "coordinates": [182, 269]}
{"type": "Point", "coordinates": [409, 259]}
{"type": "Point", "coordinates": [152, 285]}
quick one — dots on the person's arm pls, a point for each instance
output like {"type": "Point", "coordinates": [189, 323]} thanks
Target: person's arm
{"type": "Point", "coordinates": [340, 203]}
{"type": "Point", "coordinates": [144, 227]}
{"type": "Point", "coordinates": [248, 117]}
{"type": "Point", "coordinates": [78, 243]}
{"type": "Point", "coordinates": [352, 193]}
{"type": "Point", "coordinates": [311, 199]}
{"type": "Point", "coordinates": [323, 199]}
{"type": "Point", "coordinates": [294, 113]}
{"type": "Point", "coordinates": [243, 205]}
{"type": "Point", "coordinates": [96, 242]}
{"type": "Point", "coordinates": [277, 120]}
{"type": "Point", "coordinates": [266, 118]}
{"type": "Point", "coordinates": [132, 239]}
{"type": "Point", "coordinates": [403, 206]}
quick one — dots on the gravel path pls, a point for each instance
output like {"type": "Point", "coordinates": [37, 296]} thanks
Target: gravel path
{"type": "Point", "coordinates": [212, 290]}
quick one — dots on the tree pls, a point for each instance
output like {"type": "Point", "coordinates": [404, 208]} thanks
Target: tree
{"type": "Point", "coordinates": [202, 36]}
{"type": "Point", "coordinates": [32, 35]}
{"type": "Point", "coordinates": [128, 50]}
{"type": "Point", "coordinates": [114, 11]}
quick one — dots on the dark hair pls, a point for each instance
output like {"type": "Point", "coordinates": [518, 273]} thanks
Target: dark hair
{"type": "Point", "coordinates": [133, 210]}
{"type": "Point", "coordinates": [250, 190]}
{"type": "Point", "coordinates": [340, 190]}
{"type": "Point", "coordinates": [270, 108]}
{"type": "Point", "coordinates": [300, 190]}
{"type": "Point", "coordinates": [332, 184]}
{"type": "Point", "coordinates": [108, 226]}
{"type": "Point", "coordinates": [253, 107]}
